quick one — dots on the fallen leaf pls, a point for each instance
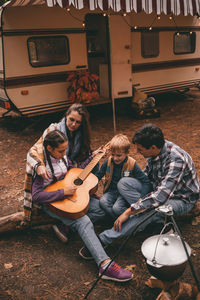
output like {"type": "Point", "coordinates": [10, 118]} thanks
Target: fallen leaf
{"type": "Point", "coordinates": [36, 265]}
{"type": "Point", "coordinates": [130, 267]}
{"type": "Point", "coordinates": [196, 221]}
{"type": "Point", "coordinates": [8, 266]}
{"type": "Point", "coordinates": [86, 283]}
{"type": "Point", "coordinates": [197, 245]}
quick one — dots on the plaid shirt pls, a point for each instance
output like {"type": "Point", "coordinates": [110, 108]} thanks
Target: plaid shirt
{"type": "Point", "coordinates": [173, 176]}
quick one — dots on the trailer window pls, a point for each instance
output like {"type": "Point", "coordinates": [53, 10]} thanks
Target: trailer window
{"type": "Point", "coordinates": [184, 42]}
{"type": "Point", "coordinates": [149, 44]}
{"type": "Point", "coordinates": [48, 51]}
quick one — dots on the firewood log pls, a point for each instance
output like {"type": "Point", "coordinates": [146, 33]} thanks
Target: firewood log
{"type": "Point", "coordinates": [17, 222]}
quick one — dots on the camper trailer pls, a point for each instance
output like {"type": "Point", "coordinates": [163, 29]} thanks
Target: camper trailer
{"type": "Point", "coordinates": [151, 51]}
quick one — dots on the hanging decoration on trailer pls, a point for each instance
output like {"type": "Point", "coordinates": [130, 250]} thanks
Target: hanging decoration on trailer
{"type": "Point", "coordinates": [83, 87]}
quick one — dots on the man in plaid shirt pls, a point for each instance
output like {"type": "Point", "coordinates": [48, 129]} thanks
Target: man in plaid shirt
{"type": "Point", "coordinates": [174, 182]}
{"type": "Point", "coordinates": [170, 170]}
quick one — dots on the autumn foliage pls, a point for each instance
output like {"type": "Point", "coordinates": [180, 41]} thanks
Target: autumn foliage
{"type": "Point", "coordinates": [83, 87]}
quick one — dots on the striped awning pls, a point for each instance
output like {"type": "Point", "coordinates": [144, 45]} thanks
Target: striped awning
{"type": "Point", "coordinates": [176, 7]}
{"type": "Point", "coordinates": [167, 7]}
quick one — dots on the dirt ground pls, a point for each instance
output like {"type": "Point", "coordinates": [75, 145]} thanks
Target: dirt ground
{"type": "Point", "coordinates": [35, 264]}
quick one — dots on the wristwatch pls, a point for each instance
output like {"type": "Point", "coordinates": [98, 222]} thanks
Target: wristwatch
{"type": "Point", "coordinates": [135, 206]}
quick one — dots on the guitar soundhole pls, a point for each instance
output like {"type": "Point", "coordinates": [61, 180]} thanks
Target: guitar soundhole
{"type": "Point", "coordinates": [78, 181]}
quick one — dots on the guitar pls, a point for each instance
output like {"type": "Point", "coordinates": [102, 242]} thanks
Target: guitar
{"type": "Point", "coordinates": [76, 205]}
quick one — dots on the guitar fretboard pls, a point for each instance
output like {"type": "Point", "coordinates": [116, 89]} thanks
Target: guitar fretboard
{"type": "Point", "coordinates": [83, 175]}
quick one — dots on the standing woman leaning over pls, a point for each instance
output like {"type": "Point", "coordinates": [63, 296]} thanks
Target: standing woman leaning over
{"type": "Point", "coordinates": [75, 125]}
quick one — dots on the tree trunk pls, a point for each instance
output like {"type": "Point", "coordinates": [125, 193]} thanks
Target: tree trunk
{"type": "Point", "coordinates": [17, 222]}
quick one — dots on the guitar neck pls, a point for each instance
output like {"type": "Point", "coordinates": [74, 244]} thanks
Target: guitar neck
{"type": "Point", "coordinates": [83, 175]}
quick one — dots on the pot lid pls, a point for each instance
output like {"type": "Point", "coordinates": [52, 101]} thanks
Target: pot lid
{"type": "Point", "coordinates": [165, 249]}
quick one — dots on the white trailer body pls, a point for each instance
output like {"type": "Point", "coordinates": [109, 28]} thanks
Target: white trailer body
{"type": "Point", "coordinates": [40, 46]}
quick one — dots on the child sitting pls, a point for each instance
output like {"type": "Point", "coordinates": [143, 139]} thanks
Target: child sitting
{"type": "Point", "coordinates": [119, 165]}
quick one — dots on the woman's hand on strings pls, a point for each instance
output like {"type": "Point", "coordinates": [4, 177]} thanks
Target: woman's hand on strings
{"type": "Point", "coordinates": [42, 171]}
{"type": "Point", "coordinates": [70, 190]}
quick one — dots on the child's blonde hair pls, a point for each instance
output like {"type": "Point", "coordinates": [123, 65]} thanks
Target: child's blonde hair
{"type": "Point", "coordinates": [120, 142]}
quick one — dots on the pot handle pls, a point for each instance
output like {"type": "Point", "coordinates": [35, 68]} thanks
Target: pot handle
{"type": "Point", "coordinates": [154, 260]}
{"type": "Point", "coordinates": [153, 264]}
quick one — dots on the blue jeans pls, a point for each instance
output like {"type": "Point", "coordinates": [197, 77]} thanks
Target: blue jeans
{"type": "Point", "coordinates": [179, 207]}
{"type": "Point", "coordinates": [130, 190]}
{"type": "Point", "coordinates": [85, 229]}
{"type": "Point", "coordinates": [115, 202]}
{"type": "Point", "coordinates": [107, 201]}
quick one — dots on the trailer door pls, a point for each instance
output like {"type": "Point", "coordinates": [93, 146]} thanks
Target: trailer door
{"type": "Point", "coordinates": [120, 43]}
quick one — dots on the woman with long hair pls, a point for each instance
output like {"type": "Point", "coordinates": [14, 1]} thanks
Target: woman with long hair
{"type": "Point", "coordinates": [75, 125]}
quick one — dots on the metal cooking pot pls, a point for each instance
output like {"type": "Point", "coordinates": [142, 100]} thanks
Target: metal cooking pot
{"type": "Point", "coordinates": [165, 256]}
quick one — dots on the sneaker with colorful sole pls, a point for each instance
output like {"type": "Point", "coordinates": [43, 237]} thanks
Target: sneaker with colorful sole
{"type": "Point", "coordinates": [116, 273]}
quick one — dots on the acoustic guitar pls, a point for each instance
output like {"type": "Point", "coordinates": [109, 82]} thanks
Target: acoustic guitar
{"type": "Point", "coordinates": [76, 205]}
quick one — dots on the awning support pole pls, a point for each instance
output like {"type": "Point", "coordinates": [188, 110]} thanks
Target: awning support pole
{"type": "Point", "coordinates": [114, 116]}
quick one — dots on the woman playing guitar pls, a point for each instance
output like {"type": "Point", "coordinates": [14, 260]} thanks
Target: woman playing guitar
{"type": "Point", "coordinates": [75, 125]}
{"type": "Point", "coordinates": [57, 165]}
